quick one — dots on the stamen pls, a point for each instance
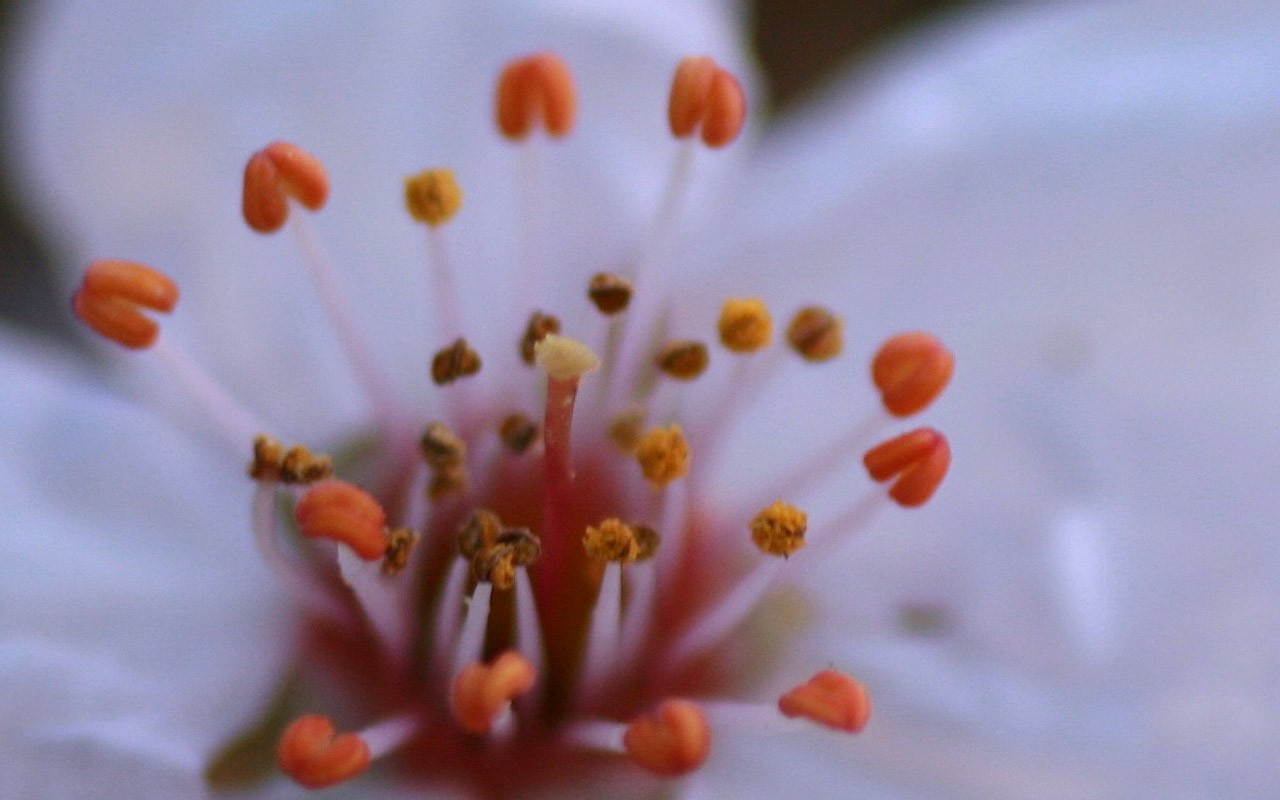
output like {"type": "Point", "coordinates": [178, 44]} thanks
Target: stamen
{"type": "Point", "coordinates": [400, 544]}
{"type": "Point", "coordinates": [663, 454]}
{"type": "Point", "coordinates": [816, 334]}
{"type": "Point", "coordinates": [779, 529]}
{"type": "Point", "coordinates": [274, 174]}
{"type": "Point", "coordinates": [830, 699]}
{"type": "Point", "coordinates": [344, 513]}
{"type": "Point", "coordinates": [920, 460]}
{"type": "Point", "coordinates": [673, 741]}
{"type": "Point", "coordinates": [610, 293]}
{"type": "Point", "coordinates": [112, 292]}
{"type": "Point", "coordinates": [441, 448]}
{"type": "Point", "coordinates": [432, 196]}
{"type": "Point", "coordinates": [626, 429]}
{"type": "Point", "coordinates": [305, 587]}
{"type": "Point", "coordinates": [704, 94]}
{"type": "Point", "coordinates": [537, 88]}
{"type": "Point", "coordinates": [910, 370]}
{"type": "Point", "coordinates": [745, 325]}
{"type": "Point", "coordinates": [456, 361]}
{"type": "Point", "coordinates": [612, 540]}
{"type": "Point", "coordinates": [483, 692]}
{"type": "Point", "coordinates": [518, 432]}
{"type": "Point", "coordinates": [296, 465]}
{"type": "Point", "coordinates": [683, 360]}
{"type": "Point", "coordinates": [540, 326]}
{"type": "Point", "coordinates": [311, 752]}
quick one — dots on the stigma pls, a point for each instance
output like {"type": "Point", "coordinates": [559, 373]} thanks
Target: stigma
{"type": "Point", "coordinates": [527, 576]}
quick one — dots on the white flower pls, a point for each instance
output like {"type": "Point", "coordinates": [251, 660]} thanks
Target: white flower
{"type": "Point", "coordinates": [1074, 199]}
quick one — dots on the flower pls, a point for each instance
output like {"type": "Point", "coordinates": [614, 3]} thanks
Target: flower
{"type": "Point", "coordinates": [1018, 137]}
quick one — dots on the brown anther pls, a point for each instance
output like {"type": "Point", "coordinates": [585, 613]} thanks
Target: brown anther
{"type": "Point", "coordinates": [481, 692]}
{"type": "Point", "coordinates": [683, 360]}
{"type": "Point", "coordinates": [745, 325]}
{"type": "Point", "coordinates": [707, 96]}
{"type": "Point", "coordinates": [432, 196]}
{"type": "Point", "coordinates": [610, 293]}
{"type": "Point", "coordinates": [111, 294]}
{"type": "Point", "coordinates": [539, 326]}
{"type": "Point", "coordinates": [268, 454]}
{"type": "Point", "coordinates": [446, 481]}
{"type": "Point", "coordinates": [831, 699]}
{"type": "Point", "coordinates": [479, 531]}
{"type": "Point", "coordinates": [400, 544]}
{"type": "Point", "coordinates": [647, 540]}
{"type": "Point", "coordinates": [626, 428]}
{"type": "Point", "coordinates": [537, 88]}
{"type": "Point", "coordinates": [313, 754]}
{"type": "Point", "coordinates": [919, 459]}
{"type": "Point", "coordinates": [778, 530]}
{"type": "Point", "coordinates": [526, 548]}
{"type": "Point", "coordinates": [301, 466]}
{"type": "Point", "coordinates": [673, 741]}
{"type": "Point", "coordinates": [518, 432]}
{"type": "Point", "coordinates": [911, 370]}
{"type": "Point", "coordinates": [496, 565]}
{"type": "Point", "coordinates": [273, 175]}
{"type": "Point", "coordinates": [456, 361]}
{"type": "Point", "coordinates": [611, 540]}
{"type": "Point", "coordinates": [441, 448]}
{"type": "Point", "coordinates": [663, 454]}
{"type": "Point", "coordinates": [816, 334]}
{"type": "Point", "coordinates": [344, 513]}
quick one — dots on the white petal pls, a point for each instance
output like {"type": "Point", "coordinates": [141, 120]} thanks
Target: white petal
{"type": "Point", "coordinates": [137, 632]}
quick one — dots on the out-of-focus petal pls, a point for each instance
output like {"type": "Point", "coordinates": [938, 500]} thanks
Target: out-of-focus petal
{"type": "Point", "coordinates": [136, 632]}
{"type": "Point", "coordinates": [134, 128]}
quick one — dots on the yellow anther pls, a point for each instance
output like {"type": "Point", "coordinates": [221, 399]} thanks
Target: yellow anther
{"type": "Point", "coordinates": [400, 544]}
{"type": "Point", "coordinates": [610, 293]}
{"type": "Point", "coordinates": [663, 454]}
{"type": "Point", "coordinates": [683, 360]}
{"type": "Point", "coordinates": [745, 325]}
{"type": "Point", "coordinates": [611, 540]}
{"type": "Point", "coordinates": [563, 358]}
{"type": "Point", "coordinates": [779, 529]}
{"type": "Point", "coordinates": [816, 334]}
{"type": "Point", "coordinates": [268, 454]}
{"type": "Point", "coordinates": [432, 196]}
{"type": "Point", "coordinates": [272, 461]}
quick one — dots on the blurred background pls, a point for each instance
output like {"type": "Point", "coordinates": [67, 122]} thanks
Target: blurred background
{"type": "Point", "coordinates": [799, 44]}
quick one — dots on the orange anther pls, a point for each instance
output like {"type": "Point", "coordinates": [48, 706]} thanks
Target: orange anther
{"type": "Point", "coordinates": [311, 753]}
{"type": "Point", "coordinates": [705, 94]}
{"type": "Point", "coordinates": [275, 173]}
{"type": "Point", "coordinates": [830, 699]}
{"type": "Point", "coordinates": [481, 692]}
{"type": "Point", "coordinates": [536, 87]}
{"type": "Point", "coordinates": [910, 370]}
{"type": "Point", "coordinates": [344, 513]}
{"type": "Point", "coordinates": [110, 295]}
{"type": "Point", "coordinates": [920, 460]}
{"type": "Point", "coordinates": [672, 741]}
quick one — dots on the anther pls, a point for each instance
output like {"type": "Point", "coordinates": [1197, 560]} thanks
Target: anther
{"type": "Point", "coordinates": [830, 699]}
{"type": "Point", "coordinates": [345, 513]}
{"type": "Point", "coordinates": [400, 544]}
{"type": "Point", "coordinates": [479, 531]}
{"type": "Point", "coordinates": [441, 448]}
{"type": "Point", "coordinates": [663, 454]}
{"type": "Point", "coordinates": [563, 358]}
{"type": "Point", "coordinates": [610, 293]}
{"type": "Point", "coordinates": [311, 752]}
{"type": "Point", "coordinates": [456, 361]}
{"type": "Point", "coordinates": [273, 175]}
{"type": "Point", "coordinates": [447, 481]}
{"type": "Point", "coordinates": [526, 548]}
{"type": "Point", "coordinates": [647, 541]}
{"type": "Point", "coordinates": [745, 325]}
{"type": "Point", "coordinates": [540, 325]}
{"type": "Point", "coordinates": [704, 94]}
{"type": "Point", "coordinates": [673, 741]}
{"type": "Point", "coordinates": [482, 692]}
{"type": "Point", "coordinates": [532, 89]}
{"type": "Point", "coordinates": [919, 459]}
{"type": "Point", "coordinates": [626, 428]}
{"type": "Point", "coordinates": [816, 334]}
{"type": "Point", "coordinates": [300, 466]}
{"type": "Point", "coordinates": [268, 454]}
{"type": "Point", "coordinates": [911, 370]}
{"type": "Point", "coordinates": [611, 540]}
{"type": "Point", "coordinates": [432, 196]}
{"type": "Point", "coordinates": [111, 294]}
{"type": "Point", "coordinates": [518, 432]}
{"type": "Point", "coordinates": [683, 360]}
{"type": "Point", "coordinates": [511, 548]}
{"type": "Point", "coordinates": [778, 530]}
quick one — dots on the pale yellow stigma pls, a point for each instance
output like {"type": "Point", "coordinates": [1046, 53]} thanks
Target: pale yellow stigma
{"type": "Point", "coordinates": [612, 540]}
{"type": "Point", "coordinates": [779, 529]}
{"type": "Point", "coordinates": [663, 454]}
{"type": "Point", "coordinates": [432, 196]}
{"type": "Point", "coordinates": [745, 325]}
{"type": "Point", "coordinates": [563, 358]}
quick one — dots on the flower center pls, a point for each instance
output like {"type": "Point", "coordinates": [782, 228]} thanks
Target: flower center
{"type": "Point", "coordinates": [533, 583]}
